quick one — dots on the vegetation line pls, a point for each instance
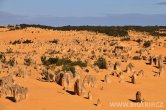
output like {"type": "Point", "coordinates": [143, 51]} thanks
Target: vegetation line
{"type": "Point", "coordinates": [117, 31]}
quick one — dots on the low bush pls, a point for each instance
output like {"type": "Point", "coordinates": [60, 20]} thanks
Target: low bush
{"type": "Point", "coordinates": [101, 63]}
{"type": "Point", "coordinates": [147, 44]}
{"type": "Point", "coordinates": [80, 63]}
{"type": "Point", "coordinates": [15, 42]}
{"type": "Point", "coordinates": [20, 42]}
{"type": "Point", "coordinates": [63, 61]}
{"type": "Point", "coordinates": [138, 40]}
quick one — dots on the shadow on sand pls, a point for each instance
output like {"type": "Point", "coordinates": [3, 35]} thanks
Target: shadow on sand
{"type": "Point", "coordinates": [70, 92]}
{"type": "Point", "coordinates": [132, 100]}
{"type": "Point", "coordinates": [11, 99]}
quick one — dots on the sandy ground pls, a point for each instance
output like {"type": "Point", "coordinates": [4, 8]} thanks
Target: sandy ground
{"type": "Point", "coordinates": [50, 96]}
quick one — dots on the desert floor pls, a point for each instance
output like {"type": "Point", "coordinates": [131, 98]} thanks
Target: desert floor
{"type": "Point", "coordinates": [51, 96]}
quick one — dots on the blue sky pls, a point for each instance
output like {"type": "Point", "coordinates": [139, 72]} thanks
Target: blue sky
{"type": "Point", "coordinates": [47, 11]}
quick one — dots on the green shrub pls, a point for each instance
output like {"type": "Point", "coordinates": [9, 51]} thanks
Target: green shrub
{"type": "Point", "coordinates": [52, 60]}
{"type": "Point", "coordinates": [20, 42]}
{"type": "Point", "coordinates": [138, 40]}
{"type": "Point", "coordinates": [147, 44]}
{"type": "Point", "coordinates": [15, 42]}
{"type": "Point", "coordinates": [101, 63]}
{"type": "Point", "coordinates": [63, 61]}
{"type": "Point", "coordinates": [80, 63]}
{"type": "Point", "coordinates": [117, 31]}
